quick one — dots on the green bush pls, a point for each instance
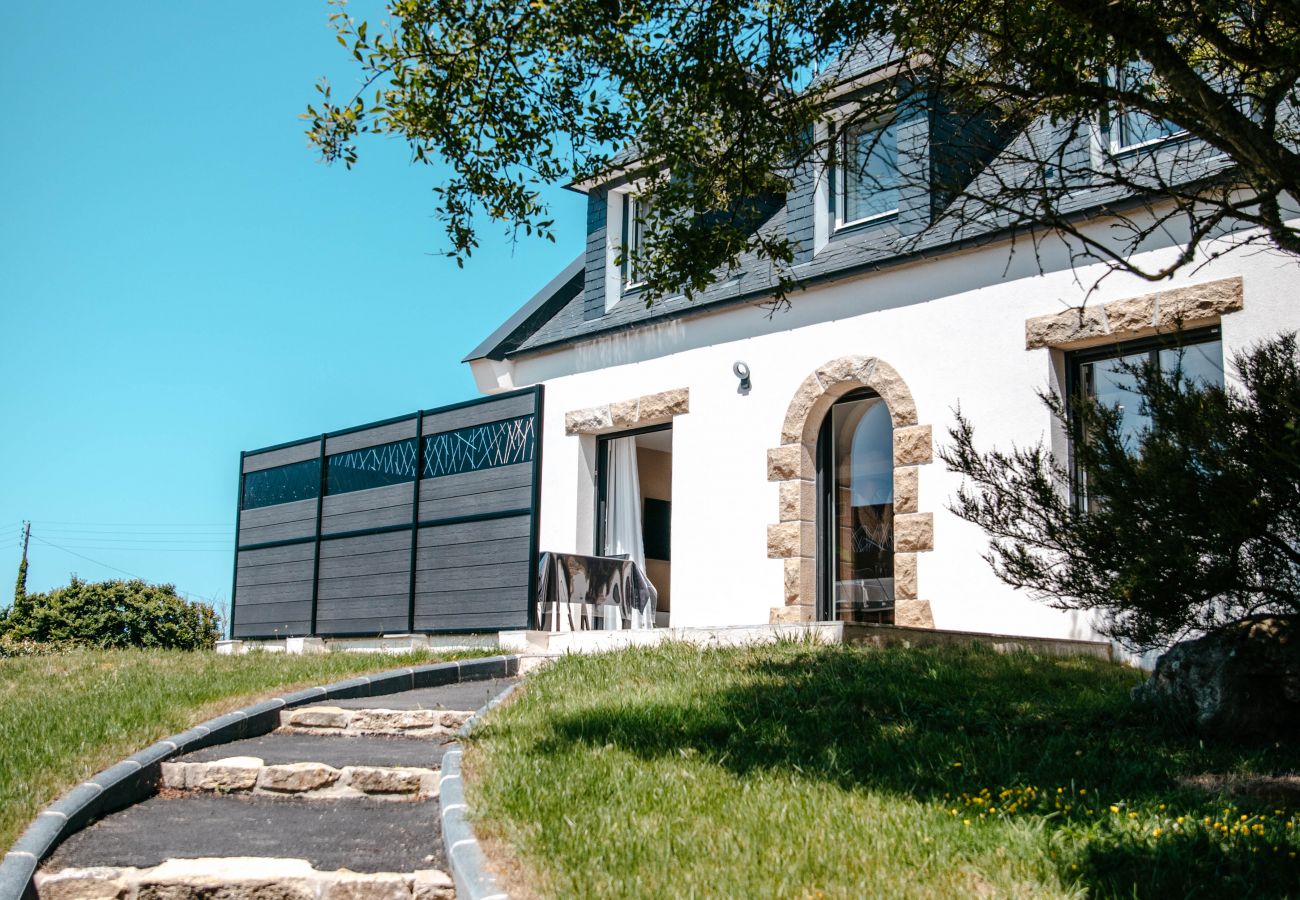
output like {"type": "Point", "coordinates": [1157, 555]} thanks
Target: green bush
{"type": "Point", "coordinates": [110, 614]}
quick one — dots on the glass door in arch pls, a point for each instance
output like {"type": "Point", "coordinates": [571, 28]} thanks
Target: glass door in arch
{"type": "Point", "coordinates": [856, 510]}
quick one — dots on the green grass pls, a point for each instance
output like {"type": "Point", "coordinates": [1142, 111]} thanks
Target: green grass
{"type": "Point", "coordinates": [797, 771]}
{"type": "Point", "coordinates": [65, 716]}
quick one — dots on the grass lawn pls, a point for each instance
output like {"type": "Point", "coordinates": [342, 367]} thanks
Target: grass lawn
{"type": "Point", "coordinates": [66, 716]}
{"type": "Point", "coordinates": [799, 771]}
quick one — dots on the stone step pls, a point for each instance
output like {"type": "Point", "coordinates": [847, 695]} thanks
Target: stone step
{"type": "Point", "coordinates": [309, 780]}
{"type": "Point", "coordinates": [240, 878]}
{"type": "Point", "coordinates": [271, 825]}
{"type": "Point", "coordinates": [354, 750]}
{"type": "Point", "coordinates": [463, 695]}
{"type": "Point", "coordinates": [338, 721]}
{"type": "Point", "coordinates": [363, 834]}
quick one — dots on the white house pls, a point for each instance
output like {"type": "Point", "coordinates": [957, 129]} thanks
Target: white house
{"type": "Point", "coordinates": [812, 490]}
{"type": "Point", "coordinates": [759, 467]}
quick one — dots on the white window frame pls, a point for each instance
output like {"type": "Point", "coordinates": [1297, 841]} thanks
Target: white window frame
{"type": "Point", "coordinates": [1117, 147]}
{"type": "Point", "coordinates": [840, 182]}
{"type": "Point", "coordinates": [620, 277]}
{"type": "Point", "coordinates": [632, 238]}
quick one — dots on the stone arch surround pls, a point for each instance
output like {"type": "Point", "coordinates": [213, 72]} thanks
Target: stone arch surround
{"type": "Point", "coordinates": [792, 466]}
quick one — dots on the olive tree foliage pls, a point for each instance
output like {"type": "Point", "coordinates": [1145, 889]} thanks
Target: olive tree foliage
{"type": "Point", "coordinates": [1194, 525]}
{"type": "Point", "coordinates": [720, 103]}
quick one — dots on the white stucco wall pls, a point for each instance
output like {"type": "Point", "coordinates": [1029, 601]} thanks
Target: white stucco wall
{"type": "Point", "coordinates": [954, 330]}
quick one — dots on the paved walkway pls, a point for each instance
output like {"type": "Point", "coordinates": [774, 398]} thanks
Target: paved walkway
{"type": "Point", "coordinates": [360, 802]}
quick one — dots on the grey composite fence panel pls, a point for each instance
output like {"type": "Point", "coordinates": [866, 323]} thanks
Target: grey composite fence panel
{"type": "Point", "coordinates": [274, 556]}
{"type": "Point", "coordinates": [473, 572]}
{"type": "Point", "coordinates": [255, 462]}
{"type": "Point", "coordinates": [274, 588]}
{"type": "Point", "coordinates": [467, 483]}
{"type": "Point", "coordinates": [451, 556]}
{"type": "Point", "coordinates": [283, 521]}
{"type": "Point", "coordinates": [484, 502]}
{"type": "Point", "coordinates": [357, 567]}
{"type": "Point", "coordinates": [474, 532]}
{"type": "Point", "coordinates": [479, 414]}
{"type": "Point", "coordinates": [364, 583]}
{"type": "Point", "coordinates": [372, 508]}
{"type": "Point", "coordinates": [370, 437]}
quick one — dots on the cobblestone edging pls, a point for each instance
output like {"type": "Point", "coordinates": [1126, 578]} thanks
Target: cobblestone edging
{"type": "Point", "coordinates": [465, 857]}
{"type": "Point", "coordinates": [241, 878]}
{"type": "Point", "coordinates": [137, 776]}
{"type": "Point", "coordinates": [249, 775]}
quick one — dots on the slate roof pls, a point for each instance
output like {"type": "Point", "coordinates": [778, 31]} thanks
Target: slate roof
{"type": "Point", "coordinates": [555, 317]}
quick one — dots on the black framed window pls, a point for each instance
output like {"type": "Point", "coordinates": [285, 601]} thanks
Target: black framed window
{"type": "Point", "coordinates": [658, 517]}
{"type": "Point", "coordinates": [282, 484]}
{"type": "Point", "coordinates": [370, 467]}
{"type": "Point", "coordinates": [1102, 375]}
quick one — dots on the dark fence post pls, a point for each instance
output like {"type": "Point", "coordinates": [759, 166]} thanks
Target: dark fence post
{"type": "Point", "coordinates": [315, 566]}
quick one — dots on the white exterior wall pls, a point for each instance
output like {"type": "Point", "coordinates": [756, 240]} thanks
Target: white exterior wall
{"type": "Point", "coordinates": [951, 346]}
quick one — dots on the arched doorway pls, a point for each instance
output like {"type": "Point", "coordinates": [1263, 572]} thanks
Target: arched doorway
{"type": "Point", "coordinates": [855, 483]}
{"type": "Point", "coordinates": [801, 535]}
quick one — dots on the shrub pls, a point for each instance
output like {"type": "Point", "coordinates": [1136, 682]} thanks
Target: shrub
{"type": "Point", "coordinates": [110, 614]}
{"type": "Point", "coordinates": [1196, 526]}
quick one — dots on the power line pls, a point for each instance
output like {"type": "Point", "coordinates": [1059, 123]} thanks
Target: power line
{"type": "Point", "coordinates": [44, 522]}
{"type": "Point", "coordinates": [188, 594]}
{"type": "Point", "coordinates": [156, 549]}
{"type": "Point", "coordinates": [152, 529]}
{"type": "Point", "coordinates": [144, 540]}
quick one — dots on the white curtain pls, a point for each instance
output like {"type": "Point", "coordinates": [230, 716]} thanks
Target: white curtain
{"type": "Point", "coordinates": [623, 503]}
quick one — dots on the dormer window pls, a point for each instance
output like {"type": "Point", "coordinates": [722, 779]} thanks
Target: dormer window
{"type": "Point", "coordinates": [636, 221]}
{"type": "Point", "coordinates": [868, 180]}
{"type": "Point", "coordinates": [1131, 128]}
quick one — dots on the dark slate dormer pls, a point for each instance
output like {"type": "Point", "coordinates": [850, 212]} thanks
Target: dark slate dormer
{"type": "Point", "coordinates": [940, 150]}
{"type": "Point", "coordinates": [597, 253]}
{"type": "Point", "coordinates": [912, 126]}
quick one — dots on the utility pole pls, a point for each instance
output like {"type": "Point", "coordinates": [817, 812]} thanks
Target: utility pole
{"type": "Point", "coordinates": [20, 589]}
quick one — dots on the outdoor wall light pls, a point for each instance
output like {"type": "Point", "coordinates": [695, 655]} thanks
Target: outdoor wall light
{"type": "Point", "coordinates": [741, 371]}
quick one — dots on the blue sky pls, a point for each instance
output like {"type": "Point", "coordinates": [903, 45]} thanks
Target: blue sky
{"type": "Point", "coordinates": [180, 278]}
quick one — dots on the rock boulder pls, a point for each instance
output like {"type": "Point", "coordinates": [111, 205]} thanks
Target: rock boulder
{"type": "Point", "coordinates": [1240, 682]}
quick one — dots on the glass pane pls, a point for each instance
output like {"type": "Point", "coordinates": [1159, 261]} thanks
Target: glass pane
{"type": "Point", "coordinates": [1137, 127]}
{"type": "Point", "coordinates": [1112, 386]}
{"type": "Point", "coordinates": [479, 447]}
{"type": "Point", "coordinates": [283, 484]}
{"type": "Point", "coordinates": [870, 172]}
{"type": "Point", "coordinates": [1108, 384]}
{"type": "Point", "coordinates": [371, 467]}
{"type": "Point", "coordinates": [636, 213]}
{"type": "Point", "coordinates": [862, 516]}
{"type": "Point", "coordinates": [1202, 363]}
